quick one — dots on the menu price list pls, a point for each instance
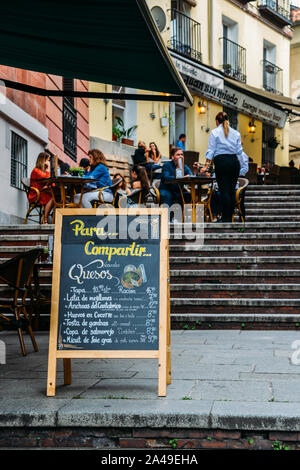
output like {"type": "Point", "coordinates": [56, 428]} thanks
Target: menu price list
{"type": "Point", "coordinates": [104, 311]}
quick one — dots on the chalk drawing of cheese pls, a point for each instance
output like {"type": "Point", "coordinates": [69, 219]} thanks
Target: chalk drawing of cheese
{"type": "Point", "coordinates": [131, 277]}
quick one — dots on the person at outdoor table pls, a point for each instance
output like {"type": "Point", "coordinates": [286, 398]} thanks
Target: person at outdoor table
{"type": "Point", "coordinates": [170, 193]}
{"type": "Point", "coordinates": [153, 157]}
{"type": "Point", "coordinates": [84, 164]}
{"type": "Point", "coordinates": [99, 172]}
{"type": "Point", "coordinates": [244, 164]}
{"type": "Point", "coordinates": [225, 148]}
{"type": "Point", "coordinates": [41, 171]}
{"type": "Point", "coordinates": [139, 156]}
{"type": "Point", "coordinates": [180, 144]}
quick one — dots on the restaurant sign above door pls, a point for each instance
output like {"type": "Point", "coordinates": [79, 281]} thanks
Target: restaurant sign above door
{"type": "Point", "coordinates": [212, 89]}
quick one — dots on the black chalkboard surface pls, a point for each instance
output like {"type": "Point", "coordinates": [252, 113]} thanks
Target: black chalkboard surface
{"type": "Point", "coordinates": [110, 291]}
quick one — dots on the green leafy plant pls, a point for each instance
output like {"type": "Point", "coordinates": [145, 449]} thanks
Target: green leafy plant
{"type": "Point", "coordinates": [173, 443]}
{"type": "Point", "coordinates": [127, 133]}
{"type": "Point", "coordinates": [186, 398]}
{"type": "Point", "coordinates": [278, 446]}
{"type": "Point", "coordinates": [75, 171]}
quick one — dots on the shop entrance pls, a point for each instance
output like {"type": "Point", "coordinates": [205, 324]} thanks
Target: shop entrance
{"type": "Point", "coordinates": [268, 153]}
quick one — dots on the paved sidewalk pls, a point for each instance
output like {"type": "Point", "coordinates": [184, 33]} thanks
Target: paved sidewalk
{"type": "Point", "coordinates": [222, 379]}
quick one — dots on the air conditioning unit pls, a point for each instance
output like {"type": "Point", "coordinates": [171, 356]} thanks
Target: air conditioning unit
{"type": "Point", "coordinates": [159, 17]}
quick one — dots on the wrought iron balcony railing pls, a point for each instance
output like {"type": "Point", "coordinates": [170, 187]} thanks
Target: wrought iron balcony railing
{"type": "Point", "coordinates": [185, 35]}
{"type": "Point", "coordinates": [234, 60]}
{"type": "Point", "coordinates": [272, 77]}
{"type": "Point", "coordinates": [69, 129]}
{"type": "Point", "coordinates": [275, 11]}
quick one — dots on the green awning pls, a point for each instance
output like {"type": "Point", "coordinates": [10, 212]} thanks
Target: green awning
{"type": "Point", "coordinates": [106, 41]}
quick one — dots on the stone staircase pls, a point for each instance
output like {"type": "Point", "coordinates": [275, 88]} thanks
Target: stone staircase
{"type": "Point", "coordinates": [243, 275]}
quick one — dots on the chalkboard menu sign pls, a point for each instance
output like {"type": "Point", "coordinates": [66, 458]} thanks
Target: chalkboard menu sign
{"type": "Point", "coordinates": [110, 290]}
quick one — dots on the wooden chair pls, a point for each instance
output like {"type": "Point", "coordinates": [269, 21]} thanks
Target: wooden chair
{"type": "Point", "coordinates": [35, 209]}
{"type": "Point", "coordinates": [16, 274]}
{"type": "Point", "coordinates": [272, 177]}
{"type": "Point", "coordinates": [114, 189]}
{"type": "Point", "coordinates": [154, 195]}
{"type": "Point", "coordinates": [251, 175]}
{"type": "Point", "coordinates": [137, 197]}
{"type": "Point", "coordinates": [239, 199]}
{"type": "Point", "coordinates": [205, 201]}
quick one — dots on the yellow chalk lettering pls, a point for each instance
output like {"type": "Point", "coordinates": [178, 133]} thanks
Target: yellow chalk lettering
{"type": "Point", "coordinates": [86, 247]}
{"type": "Point", "coordinates": [78, 226]}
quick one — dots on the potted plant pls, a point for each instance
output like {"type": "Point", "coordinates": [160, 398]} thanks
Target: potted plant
{"type": "Point", "coordinates": [116, 133]}
{"type": "Point", "coordinates": [124, 133]}
{"type": "Point", "coordinates": [273, 143]}
{"type": "Point", "coordinates": [164, 120]}
{"type": "Point", "coordinates": [75, 171]}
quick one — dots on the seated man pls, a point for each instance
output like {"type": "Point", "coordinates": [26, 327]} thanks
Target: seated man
{"type": "Point", "coordinates": [170, 193]}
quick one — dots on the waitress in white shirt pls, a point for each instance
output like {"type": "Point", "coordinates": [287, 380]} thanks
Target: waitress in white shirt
{"type": "Point", "coordinates": [225, 147]}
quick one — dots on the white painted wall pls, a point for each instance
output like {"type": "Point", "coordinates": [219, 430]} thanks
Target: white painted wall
{"type": "Point", "coordinates": [13, 201]}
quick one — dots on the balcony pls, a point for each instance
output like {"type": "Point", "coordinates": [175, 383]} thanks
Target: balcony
{"type": "Point", "coordinates": [272, 78]}
{"type": "Point", "coordinates": [185, 36]}
{"type": "Point", "coordinates": [234, 60]}
{"type": "Point", "coordinates": [274, 11]}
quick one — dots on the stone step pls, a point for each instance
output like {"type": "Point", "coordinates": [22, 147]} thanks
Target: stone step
{"type": "Point", "coordinates": [266, 218]}
{"type": "Point", "coordinates": [235, 262]}
{"type": "Point", "coordinates": [261, 187]}
{"type": "Point", "coordinates": [238, 238]}
{"type": "Point", "coordinates": [239, 250]}
{"type": "Point", "coordinates": [271, 198]}
{"type": "Point", "coordinates": [271, 205]}
{"type": "Point", "coordinates": [235, 276]}
{"type": "Point", "coordinates": [234, 318]}
{"type": "Point", "coordinates": [215, 290]}
{"type": "Point", "coordinates": [275, 192]}
{"type": "Point", "coordinates": [190, 305]}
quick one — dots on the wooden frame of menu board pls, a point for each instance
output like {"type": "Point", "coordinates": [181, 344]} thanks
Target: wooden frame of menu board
{"type": "Point", "coordinates": [163, 339]}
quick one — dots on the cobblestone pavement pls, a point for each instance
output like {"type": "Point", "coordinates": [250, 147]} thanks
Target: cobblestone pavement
{"type": "Point", "coordinates": [226, 379]}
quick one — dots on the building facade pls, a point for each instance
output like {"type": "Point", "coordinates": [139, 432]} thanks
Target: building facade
{"type": "Point", "coordinates": [29, 124]}
{"type": "Point", "coordinates": [295, 87]}
{"type": "Point", "coordinates": [229, 52]}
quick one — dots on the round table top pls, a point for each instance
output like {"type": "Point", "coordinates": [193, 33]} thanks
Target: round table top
{"type": "Point", "coordinates": [192, 179]}
{"type": "Point", "coordinates": [68, 179]}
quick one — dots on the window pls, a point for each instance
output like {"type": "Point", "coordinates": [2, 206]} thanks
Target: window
{"type": "Point", "coordinates": [233, 116]}
{"type": "Point", "coordinates": [18, 168]}
{"type": "Point", "coordinates": [69, 120]}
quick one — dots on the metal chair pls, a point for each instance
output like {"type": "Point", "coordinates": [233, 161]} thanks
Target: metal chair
{"type": "Point", "coordinates": [16, 274]}
{"type": "Point", "coordinates": [35, 209]}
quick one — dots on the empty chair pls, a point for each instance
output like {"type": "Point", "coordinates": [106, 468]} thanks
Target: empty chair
{"type": "Point", "coordinates": [240, 198]}
{"type": "Point", "coordinates": [16, 274]}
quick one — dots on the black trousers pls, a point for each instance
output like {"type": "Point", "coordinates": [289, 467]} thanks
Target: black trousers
{"type": "Point", "coordinates": [227, 169]}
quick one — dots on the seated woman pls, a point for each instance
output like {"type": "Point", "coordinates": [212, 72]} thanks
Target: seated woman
{"type": "Point", "coordinates": [98, 171]}
{"type": "Point", "coordinates": [153, 157]}
{"type": "Point", "coordinates": [139, 182]}
{"type": "Point", "coordinates": [41, 171]}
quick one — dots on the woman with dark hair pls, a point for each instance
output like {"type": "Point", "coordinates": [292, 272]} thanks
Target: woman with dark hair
{"type": "Point", "coordinates": [41, 170]}
{"type": "Point", "coordinates": [153, 157]}
{"type": "Point", "coordinates": [225, 148]}
{"type": "Point", "coordinates": [139, 182]}
{"type": "Point", "coordinates": [98, 171]}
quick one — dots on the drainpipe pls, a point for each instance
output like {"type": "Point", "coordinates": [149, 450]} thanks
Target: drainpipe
{"type": "Point", "coordinates": [210, 10]}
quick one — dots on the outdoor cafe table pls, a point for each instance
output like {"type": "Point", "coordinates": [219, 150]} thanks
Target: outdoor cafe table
{"type": "Point", "coordinates": [67, 186]}
{"type": "Point", "coordinates": [196, 183]}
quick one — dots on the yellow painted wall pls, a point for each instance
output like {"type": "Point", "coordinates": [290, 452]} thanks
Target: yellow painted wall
{"type": "Point", "coordinates": [150, 130]}
{"type": "Point", "coordinates": [100, 113]}
{"type": "Point", "coordinates": [252, 143]}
